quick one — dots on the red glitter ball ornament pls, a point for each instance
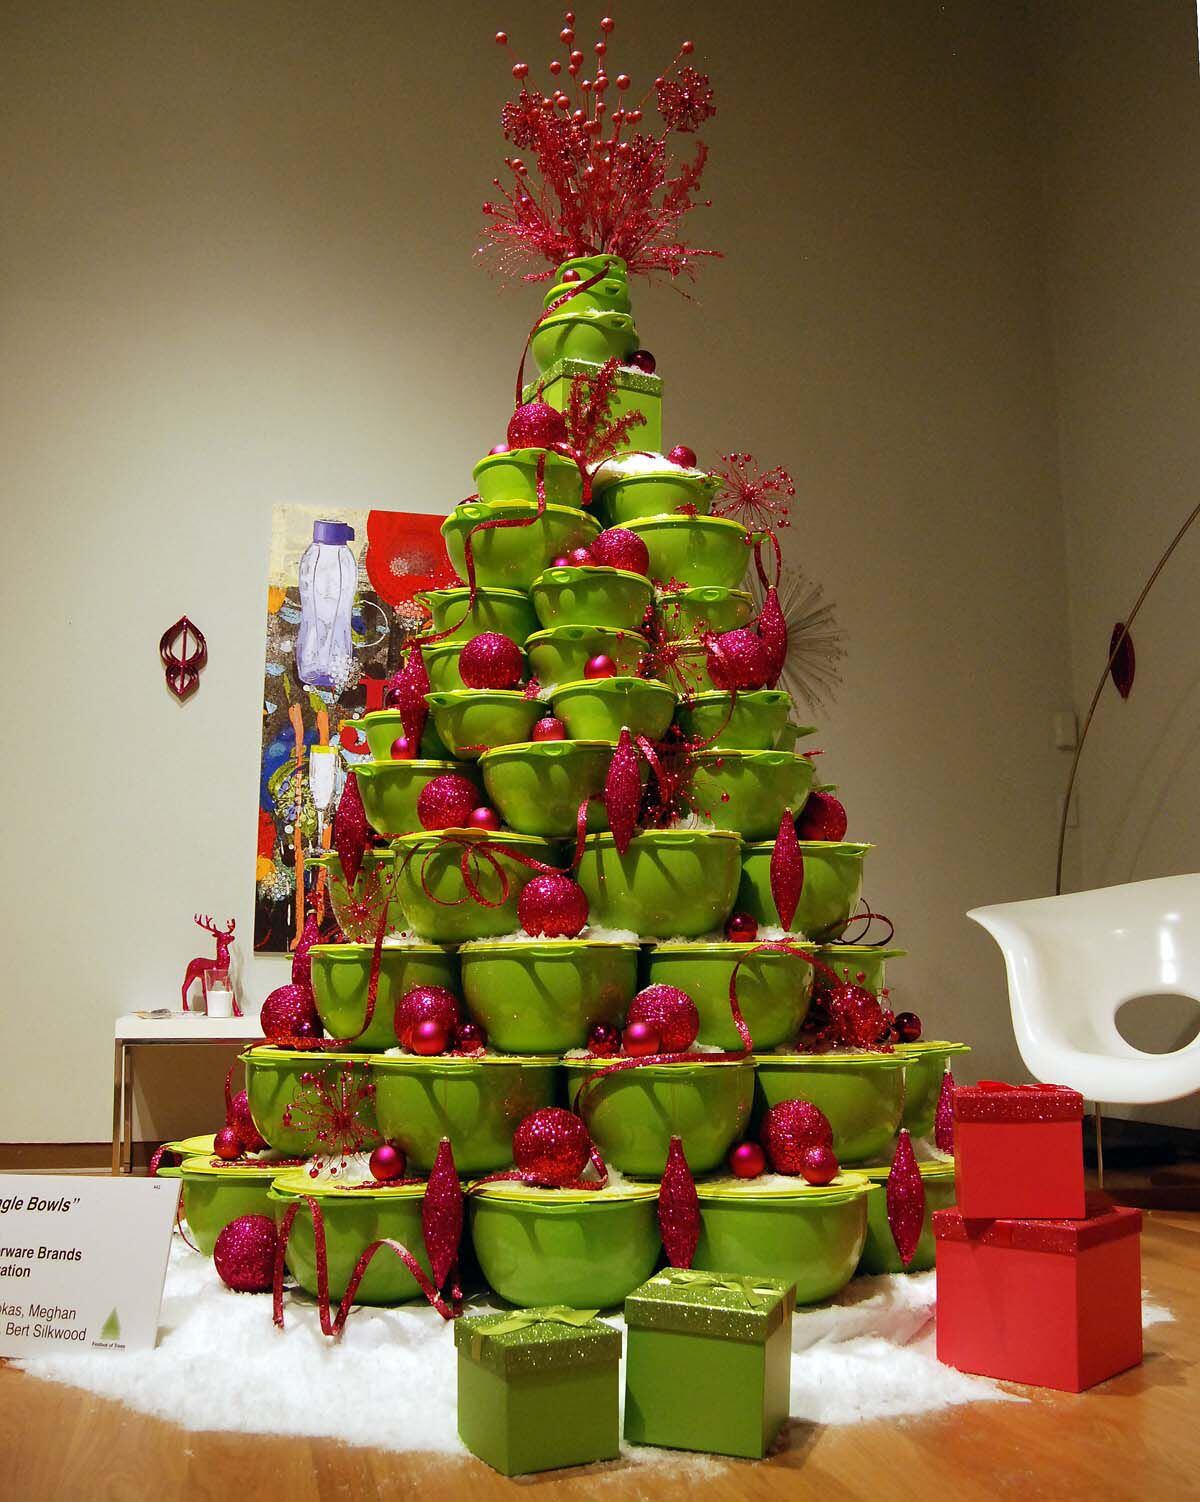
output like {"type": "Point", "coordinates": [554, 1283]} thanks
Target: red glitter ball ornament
{"type": "Point", "coordinates": [289, 1012]}
{"type": "Point", "coordinates": [483, 818]}
{"type": "Point", "coordinates": [425, 1004]}
{"type": "Point", "coordinates": [244, 1255]}
{"type": "Point", "coordinates": [639, 1040]}
{"type": "Point", "coordinates": [643, 360]}
{"type": "Point", "coordinates": [818, 1165]}
{"type": "Point", "coordinates": [536, 425]}
{"type": "Point", "coordinates": [791, 1127]}
{"type": "Point", "coordinates": [742, 928]}
{"type": "Point", "coordinates": [491, 660]}
{"type": "Point", "coordinates": [604, 1040]}
{"type": "Point", "coordinates": [551, 1147]}
{"type": "Point", "coordinates": [668, 1012]}
{"type": "Point", "coordinates": [908, 1027]}
{"type": "Point", "coordinates": [682, 455]}
{"type": "Point", "coordinates": [737, 660]}
{"type": "Point", "coordinates": [402, 749]}
{"type": "Point", "coordinates": [227, 1144]}
{"type": "Point", "coordinates": [550, 728]}
{"type": "Point", "coordinates": [446, 801]}
{"type": "Point", "coordinates": [600, 666]}
{"type": "Point", "coordinates": [553, 906]}
{"type": "Point", "coordinates": [856, 1015]}
{"type": "Point", "coordinates": [470, 1038]}
{"type": "Point", "coordinates": [240, 1119]}
{"type": "Point", "coordinates": [746, 1160]}
{"type": "Point", "coordinates": [822, 818]}
{"type": "Point", "coordinates": [386, 1162]}
{"type": "Point", "coordinates": [618, 547]}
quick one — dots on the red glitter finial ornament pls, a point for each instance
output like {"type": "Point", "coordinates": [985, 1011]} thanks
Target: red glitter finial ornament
{"type": "Point", "coordinates": [678, 1208]}
{"type": "Point", "coordinates": [623, 791]}
{"type": "Point", "coordinates": [591, 181]}
{"type": "Point", "coordinates": [756, 497]}
{"type": "Point", "coordinates": [786, 870]}
{"type": "Point", "coordinates": [943, 1116]}
{"type": "Point", "coordinates": [351, 831]}
{"type": "Point", "coordinates": [905, 1192]}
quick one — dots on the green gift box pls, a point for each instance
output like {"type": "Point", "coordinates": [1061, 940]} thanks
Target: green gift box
{"type": "Point", "coordinates": [634, 391]}
{"type": "Point", "coordinates": [538, 1388]}
{"type": "Point", "coordinates": [708, 1365]}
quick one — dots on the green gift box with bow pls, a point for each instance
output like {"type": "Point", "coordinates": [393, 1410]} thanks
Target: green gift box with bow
{"type": "Point", "coordinates": [538, 1388]}
{"type": "Point", "coordinates": [708, 1365]}
{"type": "Point", "coordinates": [633, 391]}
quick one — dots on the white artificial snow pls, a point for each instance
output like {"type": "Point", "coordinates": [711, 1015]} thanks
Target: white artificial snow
{"type": "Point", "coordinates": [625, 465]}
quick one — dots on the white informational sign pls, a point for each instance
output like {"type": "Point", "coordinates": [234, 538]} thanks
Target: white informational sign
{"type": "Point", "coordinates": [82, 1261]}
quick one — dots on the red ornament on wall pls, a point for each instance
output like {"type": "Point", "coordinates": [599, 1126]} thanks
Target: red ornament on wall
{"type": "Point", "coordinates": [184, 652]}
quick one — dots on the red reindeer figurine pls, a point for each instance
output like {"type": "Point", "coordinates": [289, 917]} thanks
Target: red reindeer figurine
{"type": "Point", "coordinates": [200, 966]}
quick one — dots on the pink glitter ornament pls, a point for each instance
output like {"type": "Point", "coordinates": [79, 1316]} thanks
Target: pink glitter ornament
{"type": "Point", "coordinates": [386, 1163]}
{"type": "Point", "coordinates": [789, 1128]}
{"type": "Point", "coordinates": [425, 1004]}
{"type": "Point", "coordinates": [289, 1012]}
{"type": "Point", "coordinates": [742, 928]}
{"type": "Point", "coordinates": [822, 818]}
{"type": "Point", "coordinates": [227, 1145]}
{"type": "Point", "coordinates": [351, 831]}
{"type": "Point", "coordinates": [856, 1016]}
{"type": "Point", "coordinates": [406, 692]}
{"type": "Point", "coordinates": [604, 1040]}
{"type": "Point", "coordinates": [773, 631]}
{"type": "Point", "coordinates": [301, 959]}
{"type": "Point", "coordinates": [746, 1160]}
{"type": "Point", "coordinates": [238, 1117]}
{"type": "Point", "coordinates": [551, 1147]}
{"type": "Point", "coordinates": [549, 728]}
{"type": "Point", "coordinates": [678, 1208]}
{"type": "Point", "coordinates": [683, 456]}
{"type": "Point", "coordinates": [244, 1255]}
{"type": "Point", "coordinates": [536, 425]}
{"type": "Point", "coordinates": [623, 791]}
{"type": "Point", "coordinates": [670, 1013]}
{"type": "Point", "coordinates": [943, 1116]}
{"type": "Point", "coordinates": [491, 660]}
{"type": "Point", "coordinates": [483, 818]}
{"type": "Point", "coordinates": [905, 1192]}
{"type": "Point", "coordinates": [402, 749]}
{"type": "Point", "coordinates": [757, 498]}
{"type": "Point", "coordinates": [737, 660]}
{"type": "Point", "coordinates": [786, 870]}
{"type": "Point", "coordinates": [446, 802]}
{"type": "Point", "coordinates": [618, 547]}
{"type": "Point", "coordinates": [442, 1216]}
{"type": "Point", "coordinates": [818, 1165]}
{"type": "Point", "coordinates": [581, 557]}
{"type": "Point", "coordinates": [553, 906]}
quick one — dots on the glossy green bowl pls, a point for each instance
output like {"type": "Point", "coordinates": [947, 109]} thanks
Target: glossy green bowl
{"type": "Point", "coordinates": [832, 884]}
{"type": "Point", "coordinates": [611, 295]}
{"type": "Point", "coordinates": [669, 882]}
{"type": "Point", "coordinates": [356, 904]}
{"type": "Point", "coordinates": [581, 1249]}
{"type": "Point", "coordinates": [708, 607]}
{"type": "Point", "coordinates": [596, 709]}
{"type": "Point", "coordinates": [592, 335]}
{"type": "Point", "coordinates": [274, 1081]}
{"type": "Point", "coordinates": [537, 787]}
{"type": "Point", "coordinates": [442, 664]}
{"type": "Point", "coordinates": [862, 964]}
{"type": "Point", "coordinates": [341, 978]}
{"type": "Point", "coordinates": [571, 596]}
{"type": "Point", "coordinates": [214, 1193]}
{"type": "Point", "coordinates": [694, 550]}
{"type": "Point", "coordinates": [544, 996]}
{"type": "Point", "coordinates": [926, 1063]}
{"type": "Point", "coordinates": [749, 790]}
{"type": "Point", "coordinates": [879, 1254]}
{"type": "Point", "coordinates": [560, 654]}
{"type": "Point", "coordinates": [436, 898]}
{"type": "Point", "coordinates": [633, 497]}
{"type": "Point", "coordinates": [751, 721]}
{"type": "Point", "coordinates": [477, 1103]}
{"type": "Point", "coordinates": [513, 477]}
{"type": "Point", "coordinates": [353, 1218]}
{"type": "Point", "coordinates": [632, 1114]}
{"type": "Point", "coordinates": [773, 989]}
{"type": "Point", "coordinates": [507, 611]}
{"type": "Point", "coordinates": [382, 726]}
{"type": "Point", "coordinates": [862, 1094]}
{"type": "Point", "coordinates": [812, 1237]}
{"type": "Point", "coordinates": [512, 557]}
{"type": "Point", "coordinates": [390, 789]}
{"type": "Point", "coordinates": [472, 720]}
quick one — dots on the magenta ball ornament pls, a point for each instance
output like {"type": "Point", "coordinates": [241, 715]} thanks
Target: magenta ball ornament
{"type": "Point", "coordinates": [289, 1013]}
{"type": "Point", "coordinates": [470, 1037]}
{"type": "Point", "coordinates": [483, 818]}
{"type": "Point", "coordinates": [491, 660]}
{"type": "Point", "coordinates": [747, 1160]}
{"type": "Point", "coordinates": [738, 660]}
{"type": "Point", "coordinates": [403, 749]}
{"type": "Point", "coordinates": [670, 1013]}
{"type": "Point", "coordinates": [643, 360]}
{"type": "Point", "coordinates": [908, 1027]}
{"type": "Point", "coordinates": [789, 1128]}
{"type": "Point", "coordinates": [639, 1040]}
{"type": "Point", "coordinates": [742, 928]}
{"type": "Point", "coordinates": [553, 906]}
{"type": "Point", "coordinates": [823, 817]}
{"type": "Point", "coordinates": [429, 1038]}
{"type": "Point", "coordinates": [600, 666]}
{"type": "Point", "coordinates": [499, 448]}
{"type": "Point", "coordinates": [386, 1162]}
{"type": "Point", "coordinates": [683, 456]}
{"type": "Point", "coordinates": [562, 561]}
{"type": "Point", "coordinates": [242, 1123]}
{"type": "Point", "coordinates": [536, 425]}
{"type": "Point", "coordinates": [580, 557]}
{"type": "Point", "coordinates": [618, 547]}
{"type": "Point", "coordinates": [244, 1255]}
{"type": "Point", "coordinates": [604, 1040]}
{"type": "Point", "coordinates": [227, 1144]}
{"type": "Point", "coordinates": [818, 1165]}
{"type": "Point", "coordinates": [551, 1147]}
{"type": "Point", "coordinates": [425, 1004]}
{"type": "Point", "coordinates": [549, 728]}
{"type": "Point", "coordinates": [446, 802]}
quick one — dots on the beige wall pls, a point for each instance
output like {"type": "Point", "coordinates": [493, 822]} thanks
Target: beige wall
{"type": "Point", "coordinates": [1123, 240]}
{"type": "Point", "coordinates": [240, 273]}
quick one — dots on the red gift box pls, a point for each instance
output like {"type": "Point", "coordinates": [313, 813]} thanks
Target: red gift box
{"type": "Point", "coordinates": [1018, 1151]}
{"type": "Point", "coordinates": [1055, 1303]}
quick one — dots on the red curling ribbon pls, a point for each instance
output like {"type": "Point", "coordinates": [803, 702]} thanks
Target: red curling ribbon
{"type": "Point", "coordinates": [161, 1152]}
{"type": "Point", "coordinates": [767, 535]}
{"type": "Point", "coordinates": [866, 918]}
{"type": "Point", "coordinates": [768, 946]}
{"type": "Point", "coordinates": [615, 1066]}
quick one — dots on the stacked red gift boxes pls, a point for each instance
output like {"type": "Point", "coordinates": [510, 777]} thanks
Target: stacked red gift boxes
{"type": "Point", "coordinates": [1038, 1281]}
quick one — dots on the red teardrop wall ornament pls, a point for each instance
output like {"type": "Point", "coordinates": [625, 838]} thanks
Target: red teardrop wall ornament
{"type": "Point", "coordinates": [184, 652]}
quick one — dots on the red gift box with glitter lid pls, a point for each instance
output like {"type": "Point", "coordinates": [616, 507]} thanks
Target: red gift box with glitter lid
{"type": "Point", "coordinates": [1018, 1151]}
{"type": "Point", "coordinates": [1054, 1303]}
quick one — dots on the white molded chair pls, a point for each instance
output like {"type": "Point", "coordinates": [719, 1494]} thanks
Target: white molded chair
{"type": "Point", "coordinates": [1073, 960]}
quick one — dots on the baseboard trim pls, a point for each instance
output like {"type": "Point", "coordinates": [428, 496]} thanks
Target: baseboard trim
{"type": "Point", "coordinates": [65, 1157]}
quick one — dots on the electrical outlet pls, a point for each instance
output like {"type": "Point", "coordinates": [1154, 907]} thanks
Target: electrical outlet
{"type": "Point", "coordinates": [1065, 729]}
{"type": "Point", "coordinates": [1073, 812]}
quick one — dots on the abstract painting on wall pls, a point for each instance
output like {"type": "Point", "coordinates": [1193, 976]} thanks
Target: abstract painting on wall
{"type": "Point", "coordinates": [343, 596]}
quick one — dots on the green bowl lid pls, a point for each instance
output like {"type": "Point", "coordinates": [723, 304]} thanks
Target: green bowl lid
{"type": "Point", "coordinates": [448, 697]}
{"type": "Point", "coordinates": [207, 1167]}
{"type": "Point", "coordinates": [578, 633]}
{"type": "Point", "coordinates": [452, 591]}
{"type": "Point", "coordinates": [190, 1147]}
{"type": "Point", "coordinates": [763, 758]}
{"type": "Point", "coordinates": [859, 952]}
{"type": "Point", "coordinates": [473, 511]}
{"type": "Point", "coordinates": [548, 750]}
{"type": "Point", "coordinates": [726, 947]}
{"type": "Point", "coordinates": [690, 479]}
{"type": "Point", "coordinates": [847, 1186]}
{"type": "Point", "coordinates": [318, 1058]}
{"type": "Point", "coordinates": [620, 683]}
{"type": "Point", "coordinates": [668, 1071]}
{"type": "Point", "coordinates": [568, 573]}
{"type": "Point", "coordinates": [419, 837]}
{"type": "Point", "coordinates": [418, 764]}
{"type": "Point", "coordinates": [751, 696]}
{"type": "Point", "coordinates": [439, 648]}
{"type": "Point", "coordinates": [585, 315]}
{"type": "Point", "coordinates": [379, 855]}
{"type": "Point", "coordinates": [810, 847]}
{"type": "Point", "coordinates": [665, 837]}
{"type": "Point", "coordinates": [712, 592]}
{"type": "Point", "coordinates": [849, 1060]}
{"type": "Point", "coordinates": [357, 952]}
{"type": "Point", "coordinates": [563, 1199]}
{"type": "Point", "coordinates": [457, 1064]}
{"type": "Point", "coordinates": [296, 1182]}
{"type": "Point", "coordinates": [938, 1170]}
{"type": "Point", "coordinates": [677, 519]}
{"type": "Point", "coordinates": [542, 948]}
{"type": "Point", "coordinates": [932, 1045]}
{"type": "Point", "coordinates": [525, 456]}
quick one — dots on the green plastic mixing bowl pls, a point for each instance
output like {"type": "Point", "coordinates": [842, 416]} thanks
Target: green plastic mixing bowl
{"type": "Point", "coordinates": [477, 1103]}
{"type": "Point", "coordinates": [862, 1094]}
{"type": "Point", "coordinates": [276, 1079]}
{"type": "Point", "coordinates": [832, 884]}
{"type": "Point", "coordinates": [750, 722]}
{"type": "Point", "coordinates": [436, 897]}
{"type": "Point", "coordinates": [708, 607]}
{"type": "Point", "coordinates": [512, 476]}
{"type": "Point", "coordinates": [748, 790]}
{"type": "Point", "coordinates": [773, 989]}
{"type": "Point", "coordinates": [807, 1235]}
{"type": "Point", "coordinates": [214, 1193]}
{"type": "Point", "coordinates": [353, 1217]}
{"type": "Point", "coordinates": [669, 882]}
{"type": "Point", "coordinates": [632, 1114]}
{"type": "Point", "coordinates": [511, 557]}
{"type": "Point", "coordinates": [356, 905]}
{"type": "Point", "coordinates": [582, 1249]}
{"type": "Point", "coordinates": [537, 787]}
{"type": "Point", "coordinates": [507, 611]}
{"type": "Point", "coordinates": [382, 726]}
{"type": "Point", "coordinates": [341, 978]}
{"type": "Point", "coordinates": [570, 596]}
{"type": "Point", "coordinates": [694, 550]}
{"type": "Point", "coordinates": [390, 789]}
{"type": "Point", "coordinates": [594, 335]}
{"type": "Point", "coordinates": [596, 709]}
{"type": "Point", "coordinates": [472, 720]}
{"type": "Point", "coordinates": [543, 997]}
{"type": "Point", "coordinates": [926, 1064]}
{"type": "Point", "coordinates": [633, 497]}
{"type": "Point", "coordinates": [561, 653]}
{"type": "Point", "coordinates": [862, 964]}
{"type": "Point", "coordinates": [879, 1254]}
{"type": "Point", "coordinates": [442, 664]}
{"type": "Point", "coordinates": [612, 293]}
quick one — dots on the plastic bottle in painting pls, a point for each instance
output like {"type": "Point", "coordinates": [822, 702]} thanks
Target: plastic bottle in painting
{"type": "Point", "coordinates": [327, 575]}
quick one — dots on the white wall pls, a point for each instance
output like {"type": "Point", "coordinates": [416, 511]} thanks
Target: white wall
{"type": "Point", "coordinates": [240, 273]}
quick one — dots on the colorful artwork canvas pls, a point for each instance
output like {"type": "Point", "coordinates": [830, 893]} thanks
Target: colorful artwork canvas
{"type": "Point", "coordinates": [344, 591]}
